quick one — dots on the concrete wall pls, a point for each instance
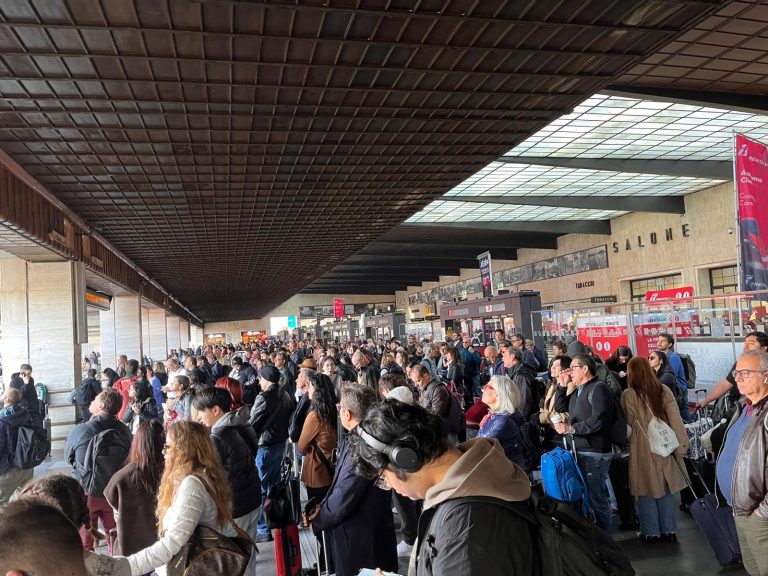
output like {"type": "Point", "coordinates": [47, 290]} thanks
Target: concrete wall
{"type": "Point", "coordinates": [289, 308]}
{"type": "Point", "coordinates": [708, 244]}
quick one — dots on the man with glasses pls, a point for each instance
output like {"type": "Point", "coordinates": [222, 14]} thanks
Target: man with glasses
{"type": "Point", "coordinates": [752, 341]}
{"type": "Point", "coordinates": [356, 514]}
{"type": "Point", "coordinates": [518, 341]}
{"type": "Point", "coordinates": [741, 463]}
{"type": "Point", "coordinates": [590, 413]}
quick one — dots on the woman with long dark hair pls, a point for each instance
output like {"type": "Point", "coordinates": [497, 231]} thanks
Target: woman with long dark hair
{"type": "Point", "coordinates": [318, 438]}
{"type": "Point", "coordinates": [653, 479]}
{"type": "Point", "coordinates": [108, 378]}
{"type": "Point", "coordinates": [141, 406]}
{"type": "Point", "coordinates": [132, 491]}
{"type": "Point", "coordinates": [617, 363]}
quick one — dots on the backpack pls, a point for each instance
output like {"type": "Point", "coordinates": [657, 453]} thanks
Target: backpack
{"type": "Point", "coordinates": [539, 392]}
{"type": "Point", "coordinates": [530, 445]}
{"type": "Point", "coordinates": [565, 543]}
{"type": "Point", "coordinates": [106, 453]}
{"type": "Point", "coordinates": [562, 479]}
{"type": "Point", "coordinates": [454, 419]}
{"type": "Point", "coordinates": [32, 446]}
{"type": "Point", "coordinates": [689, 367]}
{"type": "Point", "coordinates": [618, 431]}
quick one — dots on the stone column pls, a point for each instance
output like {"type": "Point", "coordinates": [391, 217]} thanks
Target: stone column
{"type": "Point", "coordinates": [121, 331]}
{"type": "Point", "coordinates": [172, 323]}
{"type": "Point", "coordinates": [158, 334]}
{"type": "Point", "coordinates": [184, 333]}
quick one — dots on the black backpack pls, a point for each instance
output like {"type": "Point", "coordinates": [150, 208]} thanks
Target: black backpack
{"type": "Point", "coordinates": [32, 446]}
{"type": "Point", "coordinates": [106, 453]}
{"type": "Point", "coordinates": [566, 544]}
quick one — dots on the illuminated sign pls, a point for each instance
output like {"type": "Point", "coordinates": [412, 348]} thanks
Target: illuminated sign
{"type": "Point", "coordinates": [97, 299]}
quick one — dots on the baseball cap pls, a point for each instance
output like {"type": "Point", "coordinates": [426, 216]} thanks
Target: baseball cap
{"type": "Point", "coordinates": [270, 373]}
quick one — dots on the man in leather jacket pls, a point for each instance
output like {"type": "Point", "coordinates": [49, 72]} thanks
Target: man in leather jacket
{"type": "Point", "coordinates": [270, 416]}
{"type": "Point", "coordinates": [741, 465]}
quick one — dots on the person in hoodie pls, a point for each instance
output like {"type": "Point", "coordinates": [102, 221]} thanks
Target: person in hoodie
{"type": "Point", "coordinates": [504, 419]}
{"type": "Point", "coordinates": [237, 444]}
{"type": "Point", "coordinates": [469, 525]}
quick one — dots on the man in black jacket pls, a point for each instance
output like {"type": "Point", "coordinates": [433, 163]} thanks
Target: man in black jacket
{"type": "Point", "coordinates": [23, 381]}
{"type": "Point", "coordinates": [269, 418]}
{"type": "Point", "coordinates": [246, 375]}
{"type": "Point", "coordinates": [590, 413]}
{"type": "Point", "coordinates": [237, 444]}
{"type": "Point", "coordinates": [467, 526]}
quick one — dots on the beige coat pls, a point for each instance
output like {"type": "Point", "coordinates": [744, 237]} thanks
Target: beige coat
{"type": "Point", "coordinates": [548, 405]}
{"type": "Point", "coordinates": [652, 475]}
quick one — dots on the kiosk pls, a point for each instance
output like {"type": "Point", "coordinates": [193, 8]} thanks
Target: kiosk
{"type": "Point", "coordinates": [385, 326]}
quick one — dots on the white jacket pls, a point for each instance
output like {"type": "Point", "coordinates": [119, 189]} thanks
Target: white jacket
{"type": "Point", "coordinates": [192, 505]}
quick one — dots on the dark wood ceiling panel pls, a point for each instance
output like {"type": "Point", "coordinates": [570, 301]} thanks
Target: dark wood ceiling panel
{"type": "Point", "coordinates": [237, 150]}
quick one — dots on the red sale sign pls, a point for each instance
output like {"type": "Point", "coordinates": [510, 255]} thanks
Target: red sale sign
{"type": "Point", "coordinates": [649, 326]}
{"type": "Point", "coordinates": [603, 333]}
{"type": "Point", "coordinates": [669, 294]}
{"type": "Point", "coordinates": [751, 162]}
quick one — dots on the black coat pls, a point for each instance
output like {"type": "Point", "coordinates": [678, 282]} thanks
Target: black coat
{"type": "Point", "coordinates": [590, 413]}
{"type": "Point", "coordinates": [356, 517]}
{"type": "Point", "coordinates": [248, 378]}
{"type": "Point", "coordinates": [237, 444]}
{"type": "Point", "coordinates": [28, 392]}
{"type": "Point", "coordinates": [271, 414]}
{"type": "Point", "coordinates": [296, 424]}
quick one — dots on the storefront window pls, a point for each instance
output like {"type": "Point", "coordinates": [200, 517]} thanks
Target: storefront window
{"type": "Point", "coordinates": [724, 280]}
{"type": "Point", "coordinates": [638, 288]}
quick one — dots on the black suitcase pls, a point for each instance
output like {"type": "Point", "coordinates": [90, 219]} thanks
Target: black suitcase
{"type": "Point", "coordinates": [701, 477]}
{"type": "Point", "coordinates": [619, 475]}
{"type": "Point", "coordinates": [47, 425]}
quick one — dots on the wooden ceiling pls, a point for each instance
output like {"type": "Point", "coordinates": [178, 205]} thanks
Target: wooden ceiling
{"type": "Point", "coordinates": [238, 150]}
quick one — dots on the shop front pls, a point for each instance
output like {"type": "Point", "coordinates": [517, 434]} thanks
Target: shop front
{"type": "Point", "coordinates": [214, 338]}
{"type": "Point", "coordinates": [481, 318]}
{"type": "Point", "coordinates": [422, 321]}
{"type": "Point", "coordinates": [386, 326]}
{"type": "Point", "coordinates": [252, 336]}
{"type": "Point", "coordinates": [341, 330]}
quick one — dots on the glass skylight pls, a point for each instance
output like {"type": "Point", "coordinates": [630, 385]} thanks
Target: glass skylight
{"type": "Point", "coordinates": [450, 211]}
{"type": "Point", "coordinates": [501, 179]}
{"type": "Point", "coordinates": [611, 126]}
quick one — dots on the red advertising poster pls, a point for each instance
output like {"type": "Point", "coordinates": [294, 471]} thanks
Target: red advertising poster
{"type": "Point", "coordinates": [603, 333]}
{"type": "Point", "coordinates": [669, 294]}
{"type": "Point", "coordinates": [649, 326]}
{"type": "Point", "coordinates": [751, 160]}
{"type": "Point", "coordinates": [338, 307]}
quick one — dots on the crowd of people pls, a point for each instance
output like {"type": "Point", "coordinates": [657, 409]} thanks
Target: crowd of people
{"type": "Point", "coordinates": [441, 431]}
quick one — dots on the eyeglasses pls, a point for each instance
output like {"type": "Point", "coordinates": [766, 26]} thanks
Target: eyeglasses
{"type": "Point", "coordinates": [575, 366]}
{"type": "Point", "coordinates": [745, 373]}
{"type": "Point", "coordinates": [381, 482]}
{"type": "Point", "coordinates": [653, 357]}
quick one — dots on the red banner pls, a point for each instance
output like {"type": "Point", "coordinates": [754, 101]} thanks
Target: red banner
{"type": "Point", "coordinates": [338, 307]}
{"type": "Point", "coordinates": [648, 326]}
{"type": "Point", "coordinates": [603, 333]}
{"type": "Point", "coordinates": [669, 293]}
{"type": "Point", "coordinates": [751, 187]}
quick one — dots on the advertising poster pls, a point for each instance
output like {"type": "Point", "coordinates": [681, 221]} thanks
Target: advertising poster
{"type": "Point", "coordinates": [603, 333]}
{"type": "Point", "coordinates": [648, 326]}
{"type": "Point", "coordinates": [338, 308]}
{"type": "Point", "coordinates": [751, 161]}
{"type": "Point", "coordinates": [486, 276]}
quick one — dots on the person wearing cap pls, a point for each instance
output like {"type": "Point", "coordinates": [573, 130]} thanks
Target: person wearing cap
{"type": "Point", "coordinates": [270, 416]}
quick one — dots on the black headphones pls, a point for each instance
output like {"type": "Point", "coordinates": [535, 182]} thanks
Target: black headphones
{"type": "Point", "coordinates": [402, 455]}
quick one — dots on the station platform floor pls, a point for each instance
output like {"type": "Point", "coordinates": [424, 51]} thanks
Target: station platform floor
{"type": "Point", "coordinates": [691, 556]}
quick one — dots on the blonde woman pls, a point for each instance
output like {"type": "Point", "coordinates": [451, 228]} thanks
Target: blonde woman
{"type": "Point", "coordinates": [193, 490]}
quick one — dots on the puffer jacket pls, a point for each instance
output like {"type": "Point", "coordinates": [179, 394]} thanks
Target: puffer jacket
{"type": "Point", "coordinates": [505, 428]}
{"type": "Point", "coordinates": [749, 485]}
{"type": "Point", "coordinates": [237, 444]}
{"type": "Point", "coordinates": [271, 415]}
{"type": "Point", "coordinates": [9, 434]}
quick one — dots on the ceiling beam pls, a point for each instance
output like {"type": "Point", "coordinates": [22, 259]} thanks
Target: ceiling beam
{"type": "Point", "coordinates": [475, 241]}
{"type": "Point", "coordinates": [378, 277]}
{"type": "Point", "coordinates": [664, 204]}
{"type": "Point", "coordinates": [385, 267]}
{"type": "Point", "coordinates": [408, 261]}
{"type": "Point", "coordinates": [439, 250]}
{"type": "Point", "coordinates": [351, 290]}
{"type": "Point", "coordinates": [713, 169]}
{"type": "Point", "coordinates": [749, 103]}
{"type": "Point", "coordinates": [550, 226]}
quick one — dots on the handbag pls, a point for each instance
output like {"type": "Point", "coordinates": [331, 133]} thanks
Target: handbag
{"type": "Point", "coordinates": [661, 438]}
{"type": "Point", "coordinates": [210, 552]}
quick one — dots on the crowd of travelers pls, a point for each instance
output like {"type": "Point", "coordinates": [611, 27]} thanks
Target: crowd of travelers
{"type": "Point", "coordinates": [440, 433]}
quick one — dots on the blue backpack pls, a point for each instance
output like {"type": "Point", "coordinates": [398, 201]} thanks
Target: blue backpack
{"type": "Point", "coordinates": [562, 479]}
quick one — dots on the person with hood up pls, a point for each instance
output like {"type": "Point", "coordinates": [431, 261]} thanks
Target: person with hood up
{"type": "Point", "coordinates": [237, 444]}
{"type": "Point", "coordinates": [403, 445]}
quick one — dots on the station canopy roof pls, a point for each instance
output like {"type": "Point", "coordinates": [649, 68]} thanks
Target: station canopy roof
{"type": "Point", "coordinates": [603, 132]}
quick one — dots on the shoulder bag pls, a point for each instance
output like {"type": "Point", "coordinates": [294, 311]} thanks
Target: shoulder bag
{"type": "Point", "coordinates": [661, 438]}
{"type": "Point", "coordinates": [209, 552]}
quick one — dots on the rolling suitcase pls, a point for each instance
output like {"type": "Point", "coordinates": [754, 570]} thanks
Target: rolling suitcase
{"type": "Point", "coordinates": [701, 477]}
{"type": "Point", "coordinates": [619, 476]}
{"type": "Point", "coordinates": [288, 551]}
{"type": "Point", "coordinates": [717, 524]}
{"type": "Point", "coordinates": [47, 425]}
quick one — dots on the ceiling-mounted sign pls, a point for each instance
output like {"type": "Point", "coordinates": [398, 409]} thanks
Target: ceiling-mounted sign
{"type": "Point", "coordinates": [292, 322]}
{"type": "Point", "coordinates": [338, 307]}
{"type": "Point", "coordinates": [486, 274]}
{"type": "Point", "coordinates": [97, 299]}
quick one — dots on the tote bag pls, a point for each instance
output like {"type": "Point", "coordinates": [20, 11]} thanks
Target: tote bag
{"type": "Point", "coordinates": [661, 438]}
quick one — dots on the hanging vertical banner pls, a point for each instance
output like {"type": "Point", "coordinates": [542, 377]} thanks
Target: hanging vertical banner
{"type": "Point", "coordinates": [486, 274]}
{"type": "Point", "coordinates": [751, 170]}
{"type": "Point", "coordinates": [338, 308]}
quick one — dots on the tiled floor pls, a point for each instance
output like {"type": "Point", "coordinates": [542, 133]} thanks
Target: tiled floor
{"type": "Point", "coordinates": [690, 557]}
